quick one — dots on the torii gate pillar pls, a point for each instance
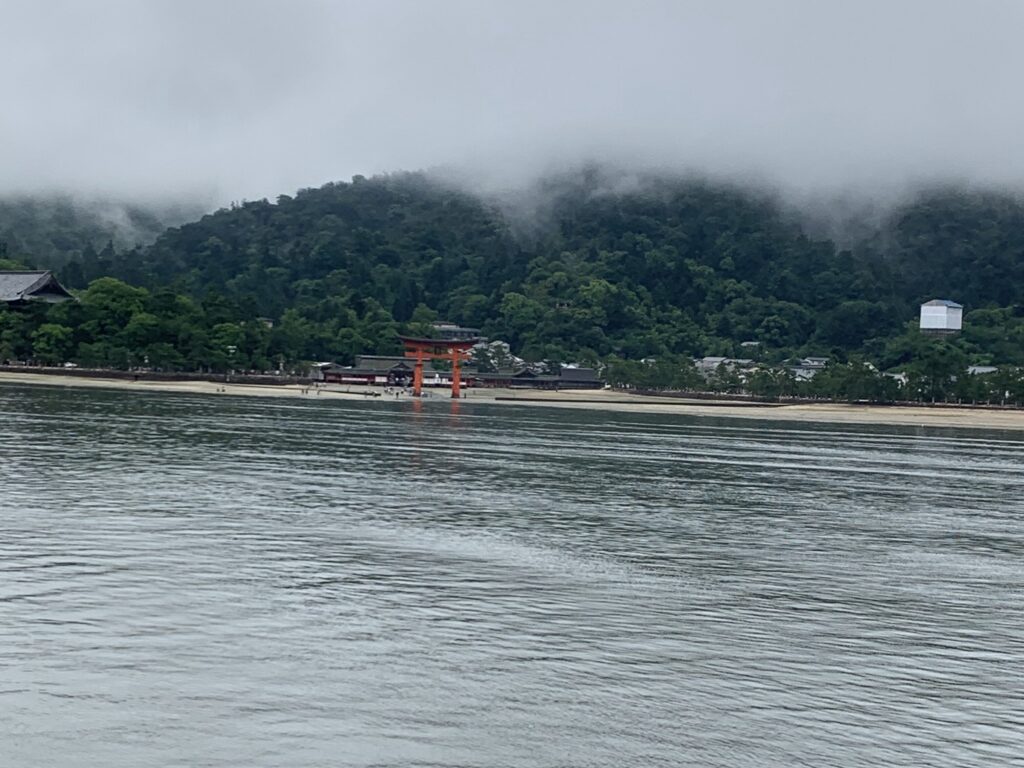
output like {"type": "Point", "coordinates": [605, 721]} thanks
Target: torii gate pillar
{"type": "Point", "coordinates": [456, 373]}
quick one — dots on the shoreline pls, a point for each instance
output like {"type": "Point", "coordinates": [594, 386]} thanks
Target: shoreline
{"type": "Point", "coordinates": [603, 400]}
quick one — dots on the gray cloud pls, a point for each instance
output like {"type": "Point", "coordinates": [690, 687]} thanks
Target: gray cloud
{"type": "Point", "coordinates": [249, 99]}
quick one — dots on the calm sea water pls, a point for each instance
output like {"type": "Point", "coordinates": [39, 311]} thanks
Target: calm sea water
{"type": "Point", "coordinates": [210, 581]}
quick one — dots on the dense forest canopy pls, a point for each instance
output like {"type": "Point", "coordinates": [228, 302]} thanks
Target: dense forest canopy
{"type": "Point", "coordinates": [604, 267]}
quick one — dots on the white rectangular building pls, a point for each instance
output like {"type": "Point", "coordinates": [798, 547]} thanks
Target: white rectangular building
{"type": "Point", "coordinates": [941, 316]}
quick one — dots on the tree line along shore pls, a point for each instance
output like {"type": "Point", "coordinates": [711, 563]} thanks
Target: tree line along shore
{"type": "Point", "coordinates": [637, 283]}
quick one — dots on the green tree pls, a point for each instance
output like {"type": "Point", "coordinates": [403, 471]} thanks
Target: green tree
{"type": "Point", "coordinates": [13, 337]}
{"type": "Point", "coordinates": [51, 343]}
{"type": "Point", "coordinates": [935, 371]}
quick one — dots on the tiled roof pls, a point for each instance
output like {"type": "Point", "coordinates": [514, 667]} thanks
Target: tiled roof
{"type": "Point", "coordinates": [14, 285]}
{"type": "Point", "coordinates": [579, 374]}
{"type": "Point", "coordinates": [20, 286]}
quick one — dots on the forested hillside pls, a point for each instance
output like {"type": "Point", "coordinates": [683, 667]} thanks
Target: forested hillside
{"type": "Point", "coordinates": [57, 229]}
{"type": "Point", "coordinates": [599, 270]}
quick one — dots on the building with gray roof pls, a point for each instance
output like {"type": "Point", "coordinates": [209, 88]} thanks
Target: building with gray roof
{"type": "Point", "coordinates": [17, 288]}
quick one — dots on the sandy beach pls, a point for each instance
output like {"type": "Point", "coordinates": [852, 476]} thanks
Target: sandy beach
{"type": "Point", "coordinates": [831, 413]}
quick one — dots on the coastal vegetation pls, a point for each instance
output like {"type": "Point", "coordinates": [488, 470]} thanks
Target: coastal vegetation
{"type": "Point", "coordinates": [637, 276]}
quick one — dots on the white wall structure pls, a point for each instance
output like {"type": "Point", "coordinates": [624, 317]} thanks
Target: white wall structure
{"type": "Point", "coordinates": [941, 316]}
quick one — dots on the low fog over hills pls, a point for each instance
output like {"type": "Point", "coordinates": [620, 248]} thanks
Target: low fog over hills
{"type": "Point", "coordinates": [52, 229]}
{"type": "Point", "coordinates": [174, 100]}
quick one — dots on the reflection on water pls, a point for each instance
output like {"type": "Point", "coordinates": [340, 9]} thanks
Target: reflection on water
{"type": "Point", "coordinates": [204, 581]}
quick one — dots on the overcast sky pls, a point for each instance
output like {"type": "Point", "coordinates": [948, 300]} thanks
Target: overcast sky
{"type": "Point", "coordinates": [246, 99]}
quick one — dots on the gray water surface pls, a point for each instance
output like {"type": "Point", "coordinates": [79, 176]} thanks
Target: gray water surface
{"type": "Point", "coordinates": [210, 581]}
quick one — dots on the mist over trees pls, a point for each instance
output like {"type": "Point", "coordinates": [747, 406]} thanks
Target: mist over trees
{"type": "Point", "coordinates": [596, 270]}
{"type": "Point", "coordinates": [58, 228]}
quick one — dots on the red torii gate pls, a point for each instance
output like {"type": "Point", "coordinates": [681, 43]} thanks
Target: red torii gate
{"type": "Point", "coordinates": [454, 350]}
